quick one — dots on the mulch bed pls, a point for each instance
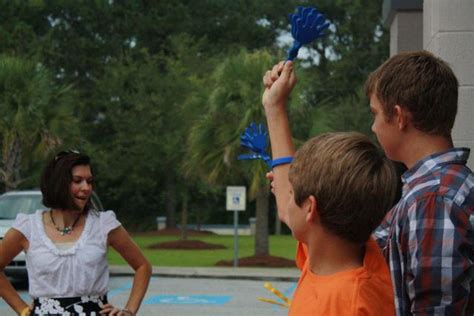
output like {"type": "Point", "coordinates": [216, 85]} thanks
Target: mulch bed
{"type": "Point", "coordinates": [186, 245]}
{"type": "Point", "coordinates": [253, 261]}
{"type": "Point", "coordinates": [260, 261]}
{"type": "Point", "coordinates": [175, 232]}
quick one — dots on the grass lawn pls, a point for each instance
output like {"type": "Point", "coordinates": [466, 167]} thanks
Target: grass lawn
{"type": "Point", "coordinates": [282, 246]}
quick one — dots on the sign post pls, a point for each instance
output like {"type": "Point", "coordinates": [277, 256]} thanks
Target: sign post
{"type": "Point", "coordinates": [236, 201]}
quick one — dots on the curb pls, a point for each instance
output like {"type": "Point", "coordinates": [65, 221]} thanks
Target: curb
{"type": "Point", "coordinates": [265, 274]}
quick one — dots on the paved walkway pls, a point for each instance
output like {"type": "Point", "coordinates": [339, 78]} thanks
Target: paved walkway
{"type": "Point", "coordinates": [172, 296]}
{"type": "Point", "coordinates": [242, 273]}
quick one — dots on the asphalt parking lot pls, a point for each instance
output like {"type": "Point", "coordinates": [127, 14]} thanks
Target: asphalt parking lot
{"type": "Point", "coordinates": [194, 296]}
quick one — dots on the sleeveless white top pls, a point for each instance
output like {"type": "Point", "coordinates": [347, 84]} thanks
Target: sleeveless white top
{"type": "Point", "coordinates": [76, 271]}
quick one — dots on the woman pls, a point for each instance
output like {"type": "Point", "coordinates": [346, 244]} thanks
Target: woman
{"type": "Point", "coordinates": [66, 248]}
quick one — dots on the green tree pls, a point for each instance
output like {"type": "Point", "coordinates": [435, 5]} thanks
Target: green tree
{"type": "Point", "coordinates": [36, 117]}
{"type": "Point", "coordinates": [146, 105]}
{"type": "Point", "coordinates": [141, 78]}
{"type": "Point", "coordinates": [356, 44]}
{"type": "Point", "coordinates": [128, 152]}
{"type": "Point", "coordinates": [214, 141]}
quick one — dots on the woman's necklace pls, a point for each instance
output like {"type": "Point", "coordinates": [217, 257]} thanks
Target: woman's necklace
{"type": "Point", "coordinates": [67, 229]}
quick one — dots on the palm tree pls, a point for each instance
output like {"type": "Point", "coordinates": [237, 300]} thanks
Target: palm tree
{"type": "Point", "coordinates": [214, 142]}
{"type": "Point", "coordinates": [33, 111]}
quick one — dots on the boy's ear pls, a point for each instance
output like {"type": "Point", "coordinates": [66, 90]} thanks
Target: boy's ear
{"type": "Point", "coordinates": [312, 214]}
{"type": "Point", "coordinates": [401, 117]}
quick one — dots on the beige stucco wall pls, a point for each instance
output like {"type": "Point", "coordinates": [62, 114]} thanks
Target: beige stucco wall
{"type": "Point", "coordinates": [406, 22]}
{"type": "Point", "coordinates": [448, 32]}
{"type": "Point", "coordinates": [445, 28]}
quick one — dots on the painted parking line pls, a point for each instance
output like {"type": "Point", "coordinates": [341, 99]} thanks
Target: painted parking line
{"type": "Point", "coordinates": [289, 292]}
{"type": "Point", "coordinates": [117, 291]}
{"type": "Point", "coordinates": [188, 299]}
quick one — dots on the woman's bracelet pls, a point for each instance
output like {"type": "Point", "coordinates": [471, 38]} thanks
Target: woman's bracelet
{"type": "Point", "coordinates": [281, 161]}
{"type": "Point", "coordinates": [126, 310]}
{"type": "Point", "coordinates": [25, 311]}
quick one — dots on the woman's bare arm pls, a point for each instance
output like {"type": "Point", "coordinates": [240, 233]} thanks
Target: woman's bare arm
{"type": "Point", "coordinates": [11, 245]}
{"type": "Point", "coordinates": [121, 241]}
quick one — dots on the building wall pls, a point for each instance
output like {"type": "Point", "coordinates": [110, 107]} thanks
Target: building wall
{"type": "Point", "coordinates": [447, 28]}
{"type": "Point", "coordinates": [448, 32]}
{"type": "Point", "coordinates": [406, 22]}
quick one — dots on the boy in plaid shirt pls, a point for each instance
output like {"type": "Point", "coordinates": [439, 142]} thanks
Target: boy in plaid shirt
{"type": "Point", "coordinates": [428, 237]}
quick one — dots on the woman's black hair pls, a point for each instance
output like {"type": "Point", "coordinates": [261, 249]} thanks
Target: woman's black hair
{"type": "Point", "coordinates": [57, 177]}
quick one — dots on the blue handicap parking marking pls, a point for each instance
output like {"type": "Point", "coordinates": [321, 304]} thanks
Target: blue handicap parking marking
{"type": "Point", "coordinates": [289, 292]}
{"type": "Point", "coordinates": [124, 288]}
{"type": "Point", "coordinates": [188, 299]}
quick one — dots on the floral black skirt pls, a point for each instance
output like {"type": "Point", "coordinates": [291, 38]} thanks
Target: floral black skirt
{"type": "Point", "coordinates": [69, 306]}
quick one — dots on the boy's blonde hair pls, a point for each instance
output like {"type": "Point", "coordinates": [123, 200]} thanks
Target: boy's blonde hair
{"type": "Point", "coordinates": [353, 182]}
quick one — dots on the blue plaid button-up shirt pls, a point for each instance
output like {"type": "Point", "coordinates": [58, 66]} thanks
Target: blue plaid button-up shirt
{"type": "Point", "coordinates": [428, 237]}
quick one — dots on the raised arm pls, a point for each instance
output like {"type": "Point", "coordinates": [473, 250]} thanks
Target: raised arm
{"type": "Point", "coordinates": [120, 240]}
{"type": "Point", "coordinates": [279, 82]}
{"type": "Point", "coordinates": [11, 245]}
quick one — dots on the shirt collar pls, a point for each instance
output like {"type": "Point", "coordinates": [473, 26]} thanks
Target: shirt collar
{"type": "Point", "coordinates": [427, 164]}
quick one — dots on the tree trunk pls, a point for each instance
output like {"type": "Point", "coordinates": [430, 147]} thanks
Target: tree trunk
{"type": "Point", "coordinates": [277, 225]}
{"type": "Point", "coordinates": [170, 200]}
{"type": "Point", "coordinates": [198, 218]}
{"type": "Point", "coordinates": [184, 217]}
{"type": "Point", "coordinates": [10, 173]}
{"type": "Point", "coordinates": [261, 229]}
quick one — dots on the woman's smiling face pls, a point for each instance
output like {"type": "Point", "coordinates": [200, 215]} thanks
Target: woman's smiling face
{"type": "Point", "coordinates": [81, 185]}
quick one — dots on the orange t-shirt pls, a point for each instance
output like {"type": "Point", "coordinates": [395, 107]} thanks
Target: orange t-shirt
{"type": "Point", "coordinates": [362, 291]}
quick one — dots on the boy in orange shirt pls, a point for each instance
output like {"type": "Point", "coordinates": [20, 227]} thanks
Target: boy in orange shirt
{"type": "Point", "coordinates": [333, 196]}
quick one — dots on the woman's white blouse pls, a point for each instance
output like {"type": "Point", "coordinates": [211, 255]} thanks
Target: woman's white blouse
{"type": "Point", "coordinates": [76, 271]}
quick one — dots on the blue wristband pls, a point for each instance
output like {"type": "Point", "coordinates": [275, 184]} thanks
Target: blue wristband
{"type": "Point", "coordinates": [281, 161]}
